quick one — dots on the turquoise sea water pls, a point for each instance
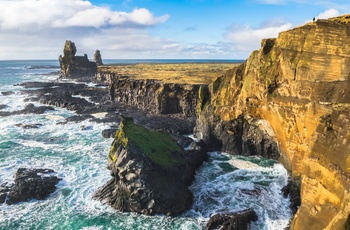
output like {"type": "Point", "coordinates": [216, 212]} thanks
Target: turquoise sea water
{"type": "Point", "coordinates": [224, 183]}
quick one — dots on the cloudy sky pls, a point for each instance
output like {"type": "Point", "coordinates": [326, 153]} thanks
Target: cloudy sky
{"type": "Point", "coordinates": [186, 29]}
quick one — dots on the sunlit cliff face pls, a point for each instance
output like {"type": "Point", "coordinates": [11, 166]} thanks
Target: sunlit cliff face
{"type": "Point", "coordinates": [298, 83]}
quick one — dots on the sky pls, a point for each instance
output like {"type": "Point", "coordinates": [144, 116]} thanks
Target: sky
{"type": "Point", "coordinates": [151, 29]}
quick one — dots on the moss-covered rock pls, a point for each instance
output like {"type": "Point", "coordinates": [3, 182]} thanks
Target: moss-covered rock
{"type": "Point", "coordinates": [151, 172]}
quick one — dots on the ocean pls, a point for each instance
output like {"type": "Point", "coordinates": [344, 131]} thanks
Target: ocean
{"type": "Point", "coordinates": [79, 156]}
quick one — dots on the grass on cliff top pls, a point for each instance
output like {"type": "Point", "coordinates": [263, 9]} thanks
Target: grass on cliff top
{"type": "Point", "coordinates": [157, 146]}
{"type": "Point", "coordinates": [189, 73]}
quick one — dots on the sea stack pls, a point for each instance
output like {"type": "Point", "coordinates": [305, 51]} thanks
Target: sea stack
{"type": "Point", "coordinates": [150, 172]}
{"type": "Point", "coordinates": [75, 66]}
{"type": "Point", "coordinates": [98, 58]}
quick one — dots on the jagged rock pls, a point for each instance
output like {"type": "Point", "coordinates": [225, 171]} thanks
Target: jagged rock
{"type": "Point", "coordinates": [29, 184]}
{"type": "Point", "coordinates": [151, 172]}
{"type": "Point", "coordinates": [232, 221]}
{"type": "Point", "coordinates": [292, 189]}
{"type": "Point", "coordinates": [2, 106]}
{"type": "Point", "coordinates": [28, 126]}
{"type": "Point", "coordinates": [98, 58]}
{"type": "Point", "coordinates": [109, 133]}
{"type": "Point", "coordinates": [75, 66]}
{"type": "Point", "coordinates": [30, 108]}
{"type": "Point", "coordinates": [6, 93]}
{"type": "Point", "coordinates": [297, 86]}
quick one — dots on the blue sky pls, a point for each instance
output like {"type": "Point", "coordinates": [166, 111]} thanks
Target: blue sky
{"type": "Point", "coordinates": [186, 29]}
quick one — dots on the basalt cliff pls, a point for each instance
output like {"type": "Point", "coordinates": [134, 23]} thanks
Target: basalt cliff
{"type": "Point", "coordinates": [291, 99]}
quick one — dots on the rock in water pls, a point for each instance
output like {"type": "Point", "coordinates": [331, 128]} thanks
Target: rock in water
{"type": "Point", "coordinates": [29, 184]}
{"type": "Point", "coordinates": [151, 172]}
{"type": "Point", "coordinates": [75, 66]}
{"type": "Point", "coordinates": [98, 58]}
{"type": "Point", "coordinates": [232, 221]}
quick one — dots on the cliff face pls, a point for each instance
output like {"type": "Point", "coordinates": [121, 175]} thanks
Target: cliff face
{"type": "Point", "coordinates": [153, 96]}
{"type": "Point", "coordinates": [295, 92]}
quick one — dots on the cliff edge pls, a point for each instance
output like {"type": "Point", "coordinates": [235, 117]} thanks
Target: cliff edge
{"type": "Point", "coordinates": [292, 97]}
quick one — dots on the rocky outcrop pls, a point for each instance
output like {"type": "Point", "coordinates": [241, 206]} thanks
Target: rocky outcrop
{"type": "Point", "coordinates": [28, 109]}
{"type": "Point", "coordinates": [29, 184]}
{"type": "Point", "coordinates": [98, 58]}
{"type": "Point", "coordinates": [150, 172]}
{"type": "Point", "coordinates": [236, 220]}
{"type": "Point", "coordinates": [153, 96]}
{"type": "Point", "coordinates": [295, 90]}
{"type": "Point", "coordinates": [75, 66]}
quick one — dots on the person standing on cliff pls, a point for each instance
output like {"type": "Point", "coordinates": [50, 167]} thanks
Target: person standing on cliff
{"type": "Point", "coordinates": [313, 19]}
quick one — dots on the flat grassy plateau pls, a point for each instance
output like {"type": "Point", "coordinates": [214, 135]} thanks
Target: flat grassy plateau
{"type": "Point", "coordinates": [182, 73]}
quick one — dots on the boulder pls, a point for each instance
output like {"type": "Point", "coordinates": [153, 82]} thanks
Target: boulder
{"type": "Point", "coordinates": [75, 66]}
{"type": "Point", "coordinates": [29, 184]}
{"type": "Point", "coordinates": [232, 221]}
{"type": "Point", "coordinates": [109, 133]}
{"type": "Point", "coordinates": [150, 172]}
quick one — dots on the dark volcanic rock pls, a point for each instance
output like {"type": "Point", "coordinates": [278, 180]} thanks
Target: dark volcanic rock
{"type": "Point", "coordinates": [151, 172]}
{"type": "Point", "coordinates": [292, 189]}
{"type": "Point", "coordinates": [30, 184]}
{"type": "Point", "coordinates": [109, 133]}
{"type": "Point", "coordinates": [75, 66]}
{"type": "Point", "coordinates": [28, 126]}
{"type": "Point", "coordinates": [98, 58]}
{"type": "Point", "coordinates": [78, 118]}
{"type": "Point", "coordinates": [232, 221]}
{"type": "Point", "coordinates": [2, 106]}
{"type": "Point", "coordinates": [7, 93]}
{"type": "Point", "coordinates": [30, 108]}
{"type": "Point", "coordinates": [242, 135]}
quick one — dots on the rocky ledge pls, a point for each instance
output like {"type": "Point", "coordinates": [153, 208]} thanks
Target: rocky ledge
{"type": "Point", "coordinates": [150, 172]}
{"type": "Point", "coordinates": [29, 184]}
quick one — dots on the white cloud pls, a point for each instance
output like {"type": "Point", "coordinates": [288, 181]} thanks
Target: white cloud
{"type": "Point", "coordinates": [328, 14]}
{"type": "Point", "coordinates": [247, 39]}
{"type": "Point", "coordinates": [37, 29]}
{"type": "Point", "coordinates": [39, 14]}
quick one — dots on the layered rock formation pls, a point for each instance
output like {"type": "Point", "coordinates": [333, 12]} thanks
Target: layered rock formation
{"type": "Point", "coordinates": [75, 66]}
{"type": "Point", "coordinates": [153, 96]}
{"type": "Point", "coordinates": [29, 184]}
{"type": "Point", "coordinates": [295, 90]}
{"type": "Point", "coordinates": [150, 172]}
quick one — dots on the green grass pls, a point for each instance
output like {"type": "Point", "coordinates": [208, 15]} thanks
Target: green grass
{"type": "Point", "coordinates": [159, 147]}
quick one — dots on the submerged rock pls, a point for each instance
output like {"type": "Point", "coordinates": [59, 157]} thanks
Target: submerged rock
{"type": "Point", "coordinates": [29, 184]}
{"type": "Point", "coordinates": [30, 108]}
{"type": "Point", "coordinates": [232, 221]}
{"type": "Point", "coordinates": [151, 172]}
{"type": "Point", "coordinates": [6, 93]}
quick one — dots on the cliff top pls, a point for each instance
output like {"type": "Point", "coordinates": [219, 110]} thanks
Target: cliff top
{"type": "Point", "coordinates": [190, 73]}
